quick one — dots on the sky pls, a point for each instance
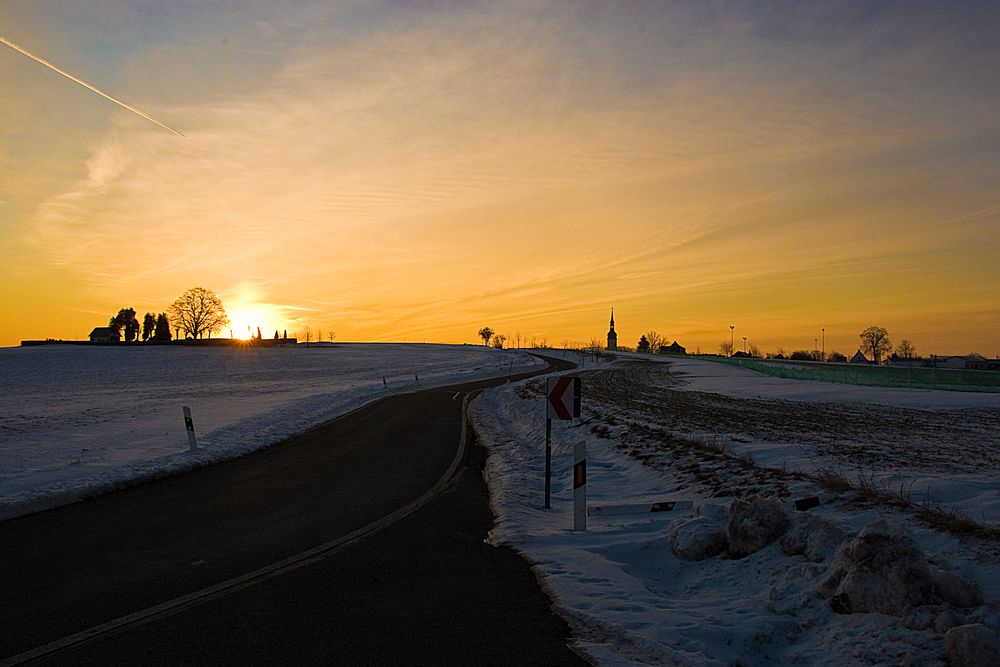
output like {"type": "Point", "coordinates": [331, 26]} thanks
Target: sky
{"type": "Point", "coordinates": [413, 171]}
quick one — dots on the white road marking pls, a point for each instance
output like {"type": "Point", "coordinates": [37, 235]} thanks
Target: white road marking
{"type": "Point", "coordinates": [235, 584]}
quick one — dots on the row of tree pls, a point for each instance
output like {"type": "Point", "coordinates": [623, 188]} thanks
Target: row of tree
{"type": "Point", "coordinates": [196, 312]}
{"type": "Point", "coordinates": [154, 327]}
{"type": "Point", "coordinates": [874, 344]}
{"type": "Point", "coordinates": [497, 340]}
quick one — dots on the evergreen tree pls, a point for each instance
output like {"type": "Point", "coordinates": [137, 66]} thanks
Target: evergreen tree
{"type": "Point", "coordinates": [161, 332]}
{"type": "Point", "coordinates": [148, 326]}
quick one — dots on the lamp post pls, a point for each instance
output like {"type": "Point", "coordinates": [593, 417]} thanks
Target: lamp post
{"type": "Point", "coordinates": [744, 345]}
{"type": "Point", "coordinates": [732, 328]}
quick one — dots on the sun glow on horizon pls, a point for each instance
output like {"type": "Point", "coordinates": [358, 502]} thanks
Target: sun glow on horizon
{"type": "Point", "coordinates": [521, 167]}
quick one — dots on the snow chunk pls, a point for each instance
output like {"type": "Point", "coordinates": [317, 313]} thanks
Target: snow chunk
{"type": "Point", "coordinates": [754, 523]}
{"type": "Point", "coordinates": [700, 538]}
{"type": "Point", "coordinates": [973, 646]}
{"type": "Point", "coordinates": [883, 570]}
{"type": "Point", "coordinates": [814, 537]}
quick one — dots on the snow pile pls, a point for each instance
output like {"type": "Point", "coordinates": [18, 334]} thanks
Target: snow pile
{"type": "Point", "coordinates": [738, 579]}
{"type": "Point", "coordinates": [82, 420]}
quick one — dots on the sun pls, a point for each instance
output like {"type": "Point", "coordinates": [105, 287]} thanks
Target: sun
{"type": "Point", "coordinates": [244, 322]}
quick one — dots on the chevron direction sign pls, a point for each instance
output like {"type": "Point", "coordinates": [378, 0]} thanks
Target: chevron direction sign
{"type": "Point", "coordinates": [563, 397]}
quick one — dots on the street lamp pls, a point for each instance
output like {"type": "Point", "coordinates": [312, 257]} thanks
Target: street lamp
{"type": "Point", "coordinates": [732, 328]}
{"type": "Point", "coordinates": [744, 345]}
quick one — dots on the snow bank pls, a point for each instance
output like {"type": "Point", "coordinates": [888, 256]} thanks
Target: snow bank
{"type": "Point", "coordinates": [663, 588]}
{"type": "Point", "coordinates": [82, 420]}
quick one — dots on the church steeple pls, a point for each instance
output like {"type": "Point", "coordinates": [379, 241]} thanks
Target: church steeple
{"type": "Point", "coordinates": [612, 336]}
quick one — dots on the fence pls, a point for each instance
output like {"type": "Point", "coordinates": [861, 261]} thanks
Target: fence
{"type": "Point", "coordinates": [877, 376]}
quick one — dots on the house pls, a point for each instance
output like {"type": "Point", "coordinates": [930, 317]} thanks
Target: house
{"type": "Point", "coordinates": [673, 348]}
{"type": "Point", "coordinates": [858, 358]}
{"type": "Point", "coordinates": [104, 335]}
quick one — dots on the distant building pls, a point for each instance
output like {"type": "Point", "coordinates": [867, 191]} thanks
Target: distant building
{"type": "Point", "coordinates": [612, 336]}
{"type": "Point", "coordinates": [673, 348]}
{"type": "Point", "coordinates": [105, 335]}
{"type": "Point", "coordinates": [858, 358]}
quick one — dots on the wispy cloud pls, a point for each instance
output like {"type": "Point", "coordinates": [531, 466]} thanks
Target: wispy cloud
{"type": "Point", "coordinates": [518, 159]}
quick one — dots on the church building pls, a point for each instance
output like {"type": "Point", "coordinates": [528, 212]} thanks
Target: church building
{"type": "Point", "coordinates": [612, 336]}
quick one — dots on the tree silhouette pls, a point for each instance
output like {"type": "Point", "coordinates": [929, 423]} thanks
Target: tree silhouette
{"type": "Point", "coordinates": [643, 345]}
{"type": "Point", "coordinates": [198, 311]}
{"type": "Point", "coordinates": [148, 326]}
{"type": "Point", "coordinates": [161, 331]}
{"type": "Point", "coordinates": [486, 333]}
{"type": "Point", "coordinates": [656, 341]}
{"type": "Point", "coordinates": [906, 349]}
{"type": "Point", "coordinates": [875, 341]}
{"type": "Point", "coordinates": [498, 341]}
{"type": "Point", "coordinates": [125, 324]}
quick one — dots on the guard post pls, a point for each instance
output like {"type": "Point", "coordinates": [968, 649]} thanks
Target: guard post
{"type": "Point", "coordinates": [563, 401]}
{"type": "Point", "coordinates": [189, 425]}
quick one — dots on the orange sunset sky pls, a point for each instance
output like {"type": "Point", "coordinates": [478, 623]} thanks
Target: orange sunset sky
{"type": "Point", "coordinates": [416, 170]}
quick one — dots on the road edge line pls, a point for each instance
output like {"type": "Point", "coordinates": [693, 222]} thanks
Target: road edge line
{"type": "Point", "coordinates": [183, 602]}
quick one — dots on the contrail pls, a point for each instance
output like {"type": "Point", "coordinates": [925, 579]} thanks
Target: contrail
{"type": "Point", "coordinates": [85, 84]}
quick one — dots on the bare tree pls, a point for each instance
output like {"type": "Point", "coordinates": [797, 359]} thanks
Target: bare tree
{"type": "Point", "coordinates": [498, 341]}
{"type": "Point", "coordinates": [309, 335]}
{"type": "Point", "coordinates": [726, 348]}
{"type": "Point", "coordinates": [875, 341]}
{"type": "Point", "coordinates": [595, 346]}
{"type": "Point", "coordinates": [319, 335]}
{"type": "Point", "coordinates": [198, 311]}
{"type": "Point", "coordinates": [655, 341]}
{"type": "Point", "coordinates": [486, 333]}
{"type": "Point", "coordinates": [906, 349]}
{"type": "Point", "coordinates": [331, 335]}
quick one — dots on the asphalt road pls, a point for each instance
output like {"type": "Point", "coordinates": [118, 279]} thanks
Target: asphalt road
{"type": "Point", "coordinates": [423, 590]}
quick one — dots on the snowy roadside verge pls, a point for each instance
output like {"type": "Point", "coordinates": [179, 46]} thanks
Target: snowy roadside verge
{"type": "Point", "coordinates": [631, 599]}
{"type": "Point", "coordinates": [79, 422]}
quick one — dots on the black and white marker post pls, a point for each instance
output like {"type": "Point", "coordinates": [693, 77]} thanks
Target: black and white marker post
{"type": "Point", "coordinates": [563, 401]}
{"type": "Point", "coordinates": [189, 425]}
{"type": "Point", "coordinates": [580, 485]}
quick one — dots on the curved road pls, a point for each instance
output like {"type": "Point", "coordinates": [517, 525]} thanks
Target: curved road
{"type": "Point", "coordinates": [424, 589]}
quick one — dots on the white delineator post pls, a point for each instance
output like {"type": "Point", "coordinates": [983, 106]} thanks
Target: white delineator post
{"type": "Point", "coordinates": [189, 425]}
{"type": "Point", "coordinates": [580, 485]}
{"type": "Point", "coordinates": [562, 398]}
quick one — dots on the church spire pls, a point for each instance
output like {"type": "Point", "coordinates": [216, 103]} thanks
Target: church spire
{"type": "Point", "coordinates": [612, 336]}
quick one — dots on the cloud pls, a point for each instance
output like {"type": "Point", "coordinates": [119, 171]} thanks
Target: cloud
{"type": "Point", "coordinates": [512, 159]}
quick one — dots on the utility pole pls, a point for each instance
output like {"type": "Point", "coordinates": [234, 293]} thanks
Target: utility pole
{"type": "Point", "coordinates": [732, 328]}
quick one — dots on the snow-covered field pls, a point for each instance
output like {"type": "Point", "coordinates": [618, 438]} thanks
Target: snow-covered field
{"type": "Point", "coordinates": [78, 420]}
{"type": "Point", "coordinates": [743, 578]}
